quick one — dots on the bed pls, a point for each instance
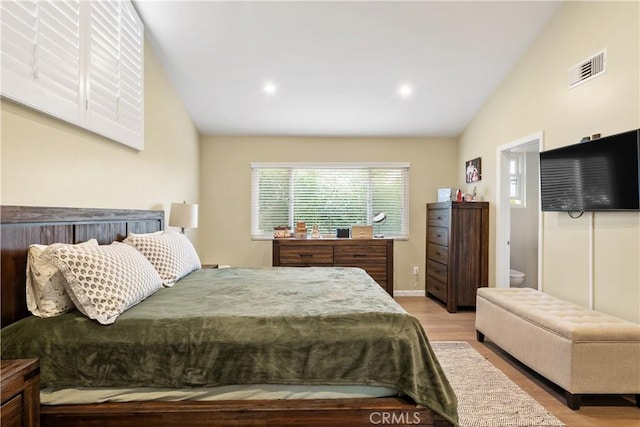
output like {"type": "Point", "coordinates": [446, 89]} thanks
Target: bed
{"type": "Point", "coordinates": [329, 337]}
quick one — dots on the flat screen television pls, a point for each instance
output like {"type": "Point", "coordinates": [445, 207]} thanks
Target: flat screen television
{"type": "Point", "coordinates": [597, 175]}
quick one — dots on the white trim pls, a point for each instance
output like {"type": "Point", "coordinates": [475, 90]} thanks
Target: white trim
{"type": "Point", "coordinates": [503, 214]}
{"type": "Point", "coordinates": [503, 221]}
{"type": "Point", "coordinates": [591, 258]}
{"type": "Point", "coordinates": [330, 165]}
{"type": "Point", "coordinates": [418, 293]}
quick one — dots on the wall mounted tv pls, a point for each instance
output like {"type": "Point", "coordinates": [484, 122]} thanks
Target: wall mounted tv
{"type": "Point", "coordinates": [597, 175]}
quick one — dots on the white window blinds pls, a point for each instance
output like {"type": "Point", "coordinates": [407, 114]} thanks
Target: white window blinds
{"type": "Point", "coordinates": [332, 195]}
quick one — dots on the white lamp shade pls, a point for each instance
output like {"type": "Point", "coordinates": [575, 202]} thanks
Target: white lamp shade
{"type": "Point", "coordinates": [183, 215]}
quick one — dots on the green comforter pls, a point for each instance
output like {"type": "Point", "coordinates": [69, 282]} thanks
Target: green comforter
{"type": "Point", "coordinates": [304, 326]}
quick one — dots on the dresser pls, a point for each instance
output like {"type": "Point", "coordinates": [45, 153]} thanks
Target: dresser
{"type": "Point", "coordinates": [20, 393]}
{"type": "Point", "coordinates": [375, 256]}
{"type": "Point", "coordinates": [457, 261]}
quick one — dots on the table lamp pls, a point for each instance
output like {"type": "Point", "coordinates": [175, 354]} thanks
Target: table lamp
{"type": "Point", "coordinates": [183, 215]}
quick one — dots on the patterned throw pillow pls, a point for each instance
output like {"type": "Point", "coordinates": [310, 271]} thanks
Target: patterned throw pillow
{"type": "Point", "coordinates": [46, 294]}
{"type": "Point", "coordinates": [104, 281]}
{"type": "Point", "coordinates": [170, 252]}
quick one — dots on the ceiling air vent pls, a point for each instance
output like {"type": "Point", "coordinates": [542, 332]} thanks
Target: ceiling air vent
{"type": "Point", "coordinates": [588, 69]}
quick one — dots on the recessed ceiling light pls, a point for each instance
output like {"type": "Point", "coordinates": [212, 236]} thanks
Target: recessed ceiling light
{"type": "Point", "coordinates": [405, 90]}
{"type": "Point", "coordinates": [270, 88]}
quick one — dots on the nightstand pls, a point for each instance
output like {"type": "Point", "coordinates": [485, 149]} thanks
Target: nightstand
{"type": "Point", "coordinates": [205, 266]}
{"type": "Point", "coordinates": [20, 390]}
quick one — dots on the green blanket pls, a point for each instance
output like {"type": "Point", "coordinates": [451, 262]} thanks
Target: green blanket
{"type": "Point", "coordinates": [304, 326]}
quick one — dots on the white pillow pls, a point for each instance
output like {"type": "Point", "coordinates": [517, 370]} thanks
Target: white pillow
{"type": "Point", "coordinates": [104, 281]}
{"type": "Point", "coordinates": [46, 294]}
{"type": "Point", "coordinates": [153, 233]}
{"type": "Point", "coordinates": [170, 252]}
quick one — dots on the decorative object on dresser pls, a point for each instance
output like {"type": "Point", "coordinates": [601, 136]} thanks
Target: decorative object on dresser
{"type": "Point", "coordinates": [457, 252]}
{"type": "Point", "coordinates": [361, 231]}
{"type": "Point", "coordinates": [301, 230]}
{"type": "Point", "coordinates": [20, 393]}
{"type": "Point", "coordinates": [375, 256]}
{"type": "Point", "coordinates": [379, 219]}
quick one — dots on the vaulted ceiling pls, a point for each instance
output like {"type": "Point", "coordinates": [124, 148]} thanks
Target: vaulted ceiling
{"type": "Point", "coordinates": [339, 68]}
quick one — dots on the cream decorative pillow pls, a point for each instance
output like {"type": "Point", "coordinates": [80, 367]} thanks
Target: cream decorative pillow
{"type": "Point", "coordinates": [46, 294]}
{"type": "Point", "coordinates": [170, 252]}
{"type": "Point", "coordinates": [104, 281]}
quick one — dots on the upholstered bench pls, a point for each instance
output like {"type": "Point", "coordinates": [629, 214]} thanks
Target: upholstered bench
{"type": "Point", "coordinates": [581, 350]}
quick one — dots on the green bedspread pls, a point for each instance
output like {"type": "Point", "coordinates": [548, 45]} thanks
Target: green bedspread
{"type": "Point", "coordinates": [304, 326]}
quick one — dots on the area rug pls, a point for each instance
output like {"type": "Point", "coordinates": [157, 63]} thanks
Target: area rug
{"type": "Point", "coordinates": [486, 396]}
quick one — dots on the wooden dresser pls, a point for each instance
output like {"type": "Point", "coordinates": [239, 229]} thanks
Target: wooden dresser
{"type": "Point", "coordinates": [20, 393]}
{"type": "Point", "coordinates": [375, 256]}
{"type": "Point", "coordinates": [457, 252]}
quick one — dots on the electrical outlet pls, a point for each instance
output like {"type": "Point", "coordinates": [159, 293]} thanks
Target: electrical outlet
{"type": "Point", "coordinates": [415, 270]}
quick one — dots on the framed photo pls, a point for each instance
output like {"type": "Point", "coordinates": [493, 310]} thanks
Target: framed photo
{"type": "Point", "coordinates": [474, 170]}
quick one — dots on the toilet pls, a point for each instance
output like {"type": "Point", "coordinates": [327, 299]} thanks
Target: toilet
{"type": "Point", "coordinates": [516, 279]}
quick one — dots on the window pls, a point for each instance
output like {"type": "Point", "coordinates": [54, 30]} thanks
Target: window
{"type": "Point", "coordinates": [79, 61]}
{"type": "Point", "coordinates": [331, 195]}
{"type": "Point", "coordinates": [41, 56]}
{"type": "Point", "coordinates": [116, 72]}
{"type": "Point", "coordinates": [517, 180]}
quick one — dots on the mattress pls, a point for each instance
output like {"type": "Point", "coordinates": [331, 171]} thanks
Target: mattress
{"type": "Point", "coordinates": [87, 395]}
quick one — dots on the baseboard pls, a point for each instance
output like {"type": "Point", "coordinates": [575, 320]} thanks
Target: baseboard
{"type": "Point", "coordinates": [416, 293]}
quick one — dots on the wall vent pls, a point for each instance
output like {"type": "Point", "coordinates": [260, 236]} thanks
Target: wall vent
{"type": "Point", "coordinates": [588, 69]}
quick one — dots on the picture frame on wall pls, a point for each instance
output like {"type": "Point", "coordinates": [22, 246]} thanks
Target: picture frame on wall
{"type": "Point", "coordinates": [473, 170]}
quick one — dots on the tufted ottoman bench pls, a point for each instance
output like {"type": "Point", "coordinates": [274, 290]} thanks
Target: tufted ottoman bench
{"type": "Point", "coordinates": [581, 350]}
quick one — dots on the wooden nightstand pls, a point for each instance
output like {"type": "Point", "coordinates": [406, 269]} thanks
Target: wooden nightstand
{"type": "Point", "coordinates": [205, 266]}
{"type": "Point", "coordinates": [20, 393]}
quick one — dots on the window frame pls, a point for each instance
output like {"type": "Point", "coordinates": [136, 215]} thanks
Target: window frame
{"type": "Point", "coordinates": [518, 178]}
{"type": "Point", "coordinates": [404, 166]}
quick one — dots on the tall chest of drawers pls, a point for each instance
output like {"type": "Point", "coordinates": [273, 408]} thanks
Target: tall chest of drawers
{"type": "Point", "coordinates": [375, 256]}
{"type": "Point", "coordinates": [457, 252]}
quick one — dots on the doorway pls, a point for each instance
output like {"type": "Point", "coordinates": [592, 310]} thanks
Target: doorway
{"type": "Point", "coordinates": [518, 217]}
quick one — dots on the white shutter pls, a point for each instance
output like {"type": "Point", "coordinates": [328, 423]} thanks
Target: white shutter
{"type": "Point", "coordinates": [41, 51]}
{"type": "Point", "coordinates": [115, 72]}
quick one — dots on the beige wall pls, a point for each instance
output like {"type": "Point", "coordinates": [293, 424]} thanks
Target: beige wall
{"type": "Point", "coordinates": [225, 195]}
{"type": "Point", "coordinates": [47, 162]}
{"type": "Point", "coordinates": [534, 97]}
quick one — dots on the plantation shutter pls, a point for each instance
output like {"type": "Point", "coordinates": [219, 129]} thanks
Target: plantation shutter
{"type": "Point", "coordinates": [115, 77]}
{"type": "Point", "coordinates": [329, 195]}
{"type": "Point", "coordinates": [41, 54]}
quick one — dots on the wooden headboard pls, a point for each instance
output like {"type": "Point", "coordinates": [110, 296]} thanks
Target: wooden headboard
{"type": "Point", "coordinates": [22, 226]}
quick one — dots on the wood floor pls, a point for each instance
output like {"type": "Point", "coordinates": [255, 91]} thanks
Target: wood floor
{"type": "Point", "coordinates": [600, 411]}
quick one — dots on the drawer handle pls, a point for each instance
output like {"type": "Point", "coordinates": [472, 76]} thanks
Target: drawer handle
{"type": "Point", "coordinates": [360, 255]}
{"type": "Point", "coordinates": [307, 255]}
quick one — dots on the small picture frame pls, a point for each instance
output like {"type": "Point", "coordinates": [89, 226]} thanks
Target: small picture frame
{"type": "Point", "coordinates": [473, 170]}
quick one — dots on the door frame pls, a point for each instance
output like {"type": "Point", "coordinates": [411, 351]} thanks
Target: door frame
{"type": "Point", "coordinates": [503, 212]}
